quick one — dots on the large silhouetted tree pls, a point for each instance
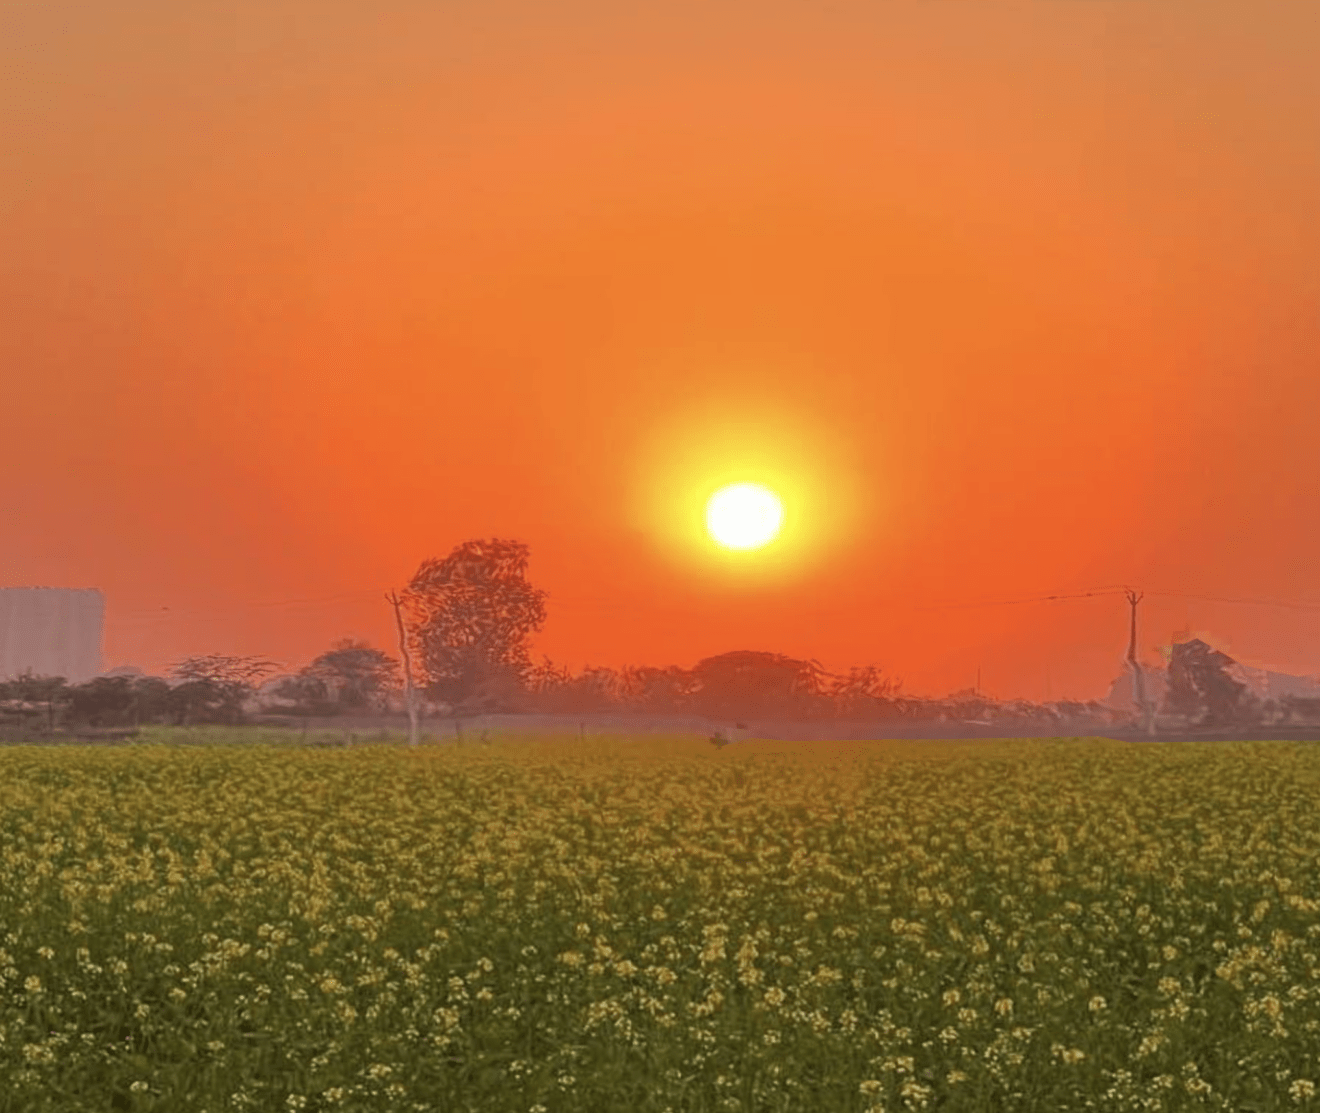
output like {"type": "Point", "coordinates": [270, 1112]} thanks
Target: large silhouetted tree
{"type": "Point", "coordinates": [1200, 687]}
{"type": "Point", "coordinates": [470, 616]}
{"type": "Point", "coordinates": [752, 684]}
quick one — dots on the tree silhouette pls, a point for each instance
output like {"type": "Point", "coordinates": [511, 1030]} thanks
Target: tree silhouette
{"type": "Point", "coordinates": [660, 691]}
{"type": "Point", "coordinates": [354, 674]}
{"type": "Point", "coordinates": [151, 700]}
{"type": "Point", "coordinates": [752, 684]}
{"type": "Point", "coordinates": [553, 689]}
{"type": "Point", "coordinates": [864, 692]}
{"type": "Point", "coordinates": [103, 701]}
{"type": "Point", "coordinates": [547, 685]}
{"type": "Point", "coordinates": [214, 687]}
{"type": "Point", "coordinates": [111, 701]}
{"type": "Point", "coordinates": [471, 615]}
{"type": "Point", "coordinates": [1199, 685]}
{"type": "Point", "coordinates": [53, 691]}
{"type": "Point", "coordinates": [739, 684]}
{"type": "Point", "coordinates": [310, 695]}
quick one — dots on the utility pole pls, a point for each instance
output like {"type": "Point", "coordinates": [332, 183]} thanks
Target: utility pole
{"type": "Point", "coordinates": [410, 694]}
{"type": "Point", "coordinates": [1138, 682]}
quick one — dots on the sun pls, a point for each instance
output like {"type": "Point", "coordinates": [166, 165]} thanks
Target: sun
{"type": "Point", "coordinates": [744, 516]}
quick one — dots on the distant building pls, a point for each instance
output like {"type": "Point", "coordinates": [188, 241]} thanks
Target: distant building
{"type": "Point", "coordinates": [1273, 685]}
{"type": "Point", "coordinates": [52, 631]}
{"type": "Point", "coordinates": [1266, 684]}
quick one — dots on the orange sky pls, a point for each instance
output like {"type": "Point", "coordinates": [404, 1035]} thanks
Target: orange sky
{"type": "Point", "coordinates": [1009, 299]}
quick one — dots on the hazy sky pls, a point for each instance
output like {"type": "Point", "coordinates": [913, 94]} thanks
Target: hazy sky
{"type": "Point", "coordinates": [1006, 299]}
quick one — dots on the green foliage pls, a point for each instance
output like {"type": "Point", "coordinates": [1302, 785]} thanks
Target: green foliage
{"type": "Point", "coordinates": [219, 920]}
{"type": "Point", "coordinates": [471, 615]}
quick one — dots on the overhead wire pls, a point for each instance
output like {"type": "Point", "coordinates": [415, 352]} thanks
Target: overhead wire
{"type": "Point", "coordinates": [577, 600]}
{"type": "Point", "coordinates": [1142, 592]}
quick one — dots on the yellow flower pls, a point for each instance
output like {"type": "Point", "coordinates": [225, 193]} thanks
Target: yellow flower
{"type": "Point", "coordinates": [1150, 1044]}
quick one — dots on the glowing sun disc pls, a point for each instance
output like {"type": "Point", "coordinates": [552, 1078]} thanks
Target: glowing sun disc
{"type": "Point", "coordinates": [744, 516]}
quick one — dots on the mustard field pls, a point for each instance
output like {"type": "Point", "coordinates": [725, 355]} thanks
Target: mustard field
{"type": "Point", "coordinates": [570, 926]}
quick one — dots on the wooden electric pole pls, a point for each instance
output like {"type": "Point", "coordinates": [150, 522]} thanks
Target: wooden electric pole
{"type": "Point", "coordinates": [409, 693]}
{"type": "Point", "coordinates": [1138, 681]}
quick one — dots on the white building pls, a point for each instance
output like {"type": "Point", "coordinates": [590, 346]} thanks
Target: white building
{"type": "Point", "coordinates": [1273, 685]}
{"type": "Point", "coordinates": [53, 631]}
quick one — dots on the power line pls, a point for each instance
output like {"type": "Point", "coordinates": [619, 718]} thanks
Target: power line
{"type": "Point", "coordinates": [1011, 602]}
{"type": "Point", "coordinates": [576, 600]}
{"type": "Point", "coordinates": [163, 612]}
{"type": "Point", "coordinates": [1250, 602]}
{"type": "Point", "coordinates": [1089, 594]}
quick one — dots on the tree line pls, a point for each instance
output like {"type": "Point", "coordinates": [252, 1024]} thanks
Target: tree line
{"type": "Point", "coordinates": [469, 617]}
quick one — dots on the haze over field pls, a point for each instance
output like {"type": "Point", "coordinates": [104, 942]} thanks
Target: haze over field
{"type": "Point", "coordinates": [999, 301]}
